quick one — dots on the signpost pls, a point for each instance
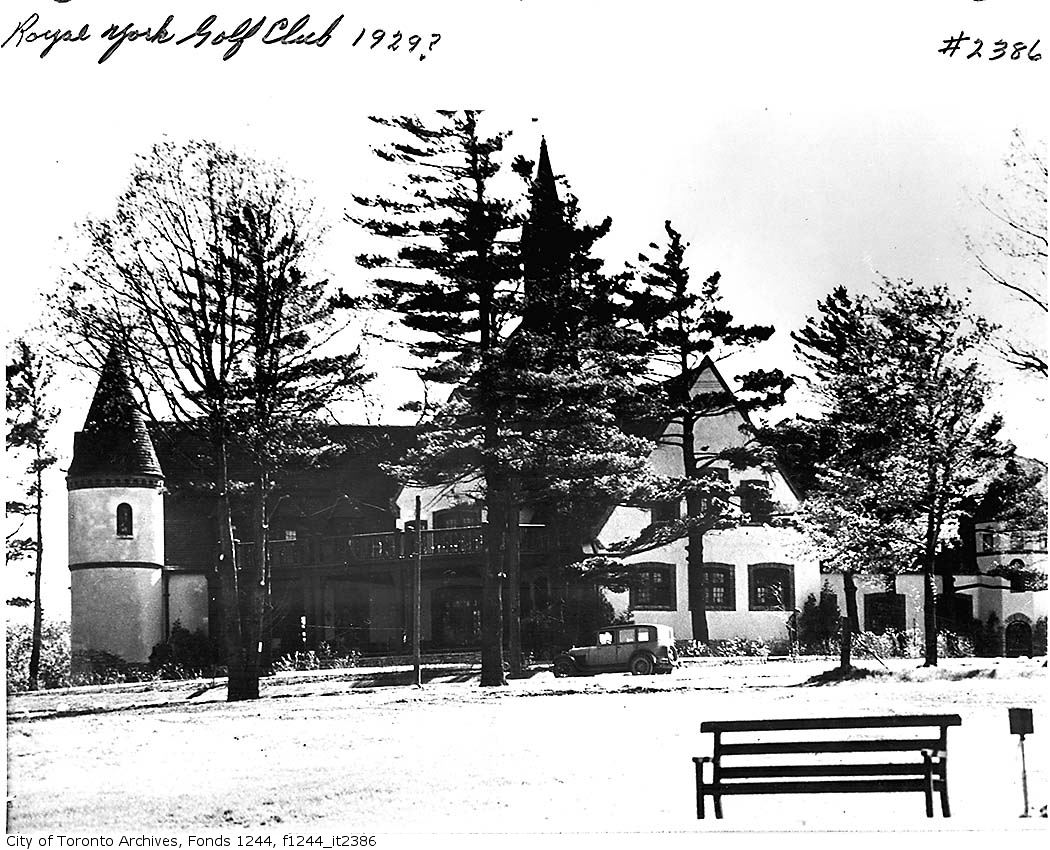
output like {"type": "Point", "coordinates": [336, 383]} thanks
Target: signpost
{"type": "Point", "coordinates": [1021, 725]}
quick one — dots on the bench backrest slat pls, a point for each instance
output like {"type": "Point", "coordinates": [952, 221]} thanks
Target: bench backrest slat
{"type": "Point", "coordinates": [867, 746]}
{"type": "Point", "coordinates": [887, 721]}
{"type": "Point", "coordinates": [773, 771]}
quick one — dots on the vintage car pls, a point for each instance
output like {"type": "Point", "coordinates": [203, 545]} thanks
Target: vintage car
{"type": "Point", "coordinates": [639, 649]}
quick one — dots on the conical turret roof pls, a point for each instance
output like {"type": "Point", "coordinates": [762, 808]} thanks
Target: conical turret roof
{"type": "Point", "coordinates": [114, 440]}
{"type": "Point", "coordinates": [544, 247]}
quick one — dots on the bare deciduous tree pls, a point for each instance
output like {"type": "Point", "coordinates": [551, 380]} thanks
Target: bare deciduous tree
{"type": "Point", "coordinates": [1013, 255]}
{"type": "Point", "coordinates": [197, 280]}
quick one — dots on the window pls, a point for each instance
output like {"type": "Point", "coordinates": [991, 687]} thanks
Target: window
{"type": "Point", "coordinates": [987, 541]}
{"type": "Point", "coordinates": [754, 500]}
{"type": "Point", "coordinates": [125, 527]}
{"type": "Point", "coordinates": [883, 611]}
{"type": "Point", "coordinates": [718, 588]}
{"type": "Point", "coordinates": [290, 534]}
{"type": "Point", "coordinates": [666, 512]}
{"type": "Point", "coordinates": [713, 504]}
{"type": "Point", "coordinates": [653, 587]}
{"type": "Point", "coordinates": [461, 516]}
{"type": "Point", "coordinates": [771, 587]}
{"type": "Point", "coordinates": [645, 634]}
{"type": "Point", "coordinates": [1016, 575]}
{"type": "Point", "coordinates": [627, 636]}
{"type": "Point", "coordinates": [604, 638]}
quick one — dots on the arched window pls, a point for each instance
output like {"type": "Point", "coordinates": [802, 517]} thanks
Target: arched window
{"type": "Point", "coordinates": [772, 587]}
{"type": "Point", "coordinates": [653, 588]}
{"type": "Point", "coordinates": [125, 527]}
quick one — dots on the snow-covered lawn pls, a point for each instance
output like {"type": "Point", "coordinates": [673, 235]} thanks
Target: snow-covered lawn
{"type": "Point", "coordinates": [351, 749]}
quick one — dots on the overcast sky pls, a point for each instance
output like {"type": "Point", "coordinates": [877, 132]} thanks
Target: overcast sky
{"type": "Point", "coordinates": [796, 147]}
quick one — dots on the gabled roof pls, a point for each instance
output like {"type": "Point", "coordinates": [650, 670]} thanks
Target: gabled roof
{"type": "Point", "coordinates": [114, 440]}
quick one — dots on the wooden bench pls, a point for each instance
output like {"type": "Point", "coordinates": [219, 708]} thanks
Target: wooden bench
{"type": "Point", "coordinates": [921, 762]}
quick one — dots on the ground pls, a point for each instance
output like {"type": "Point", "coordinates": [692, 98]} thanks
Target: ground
{"type": "Point", "coordinates": [609, 753]}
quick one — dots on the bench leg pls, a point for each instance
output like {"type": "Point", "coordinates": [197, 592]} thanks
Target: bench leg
{"type": "Point", "coordinates": [945, 810]}
{"type": "Point", "coordinates": [928, 782]}
{"type": "Point", "coordinates": [699, 762]}
{"type": "Point", "coordinates": [718, 805]}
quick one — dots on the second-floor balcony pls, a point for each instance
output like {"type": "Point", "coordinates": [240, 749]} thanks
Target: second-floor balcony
{"type": "Point", "coordinates": [1011, 542]}
{"type": "Point", "coordinates": [386, 546]}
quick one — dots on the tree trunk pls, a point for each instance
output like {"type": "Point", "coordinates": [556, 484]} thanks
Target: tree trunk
{"type": "Point", "coordinates": [695, 510]}
{"type": "Point", "coordinates": [492, 673]}
{"type": "Point", "coordinates": [697, 582]}
{"type": "Point", "coordinates": [929, 598]}
{"type": "Point", "coordinates": [238, 679]}
{"type": "Point", "coordinates": [845, 644]}
{"type": "Point", "coordinates": [849, 590]}
{"type": "Point", "coordinates": [38, 610]}
{"type": "Point", "coordinates": [512, 560]}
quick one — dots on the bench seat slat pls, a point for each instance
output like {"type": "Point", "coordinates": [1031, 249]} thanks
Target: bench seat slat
{"type": "Point", "coordinates": [785, 770]}
{"type": "Point", "coordinates": [880, 722]}
{"type": "Point", "coordinates": [867, 746]}
{"type": "Point", "coordinates": [842, 786]}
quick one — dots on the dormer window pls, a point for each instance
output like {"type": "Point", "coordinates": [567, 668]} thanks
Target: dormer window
{"type": "Point", "coordinates": [666, 512]}
{"type": "Point", "coordinates": [125, 526]}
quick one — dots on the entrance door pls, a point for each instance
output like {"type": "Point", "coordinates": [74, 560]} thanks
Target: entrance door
{"type": "Point", "coordinates": [1018, 639]}
{"type": "Point", "coordinates": [456, 616]}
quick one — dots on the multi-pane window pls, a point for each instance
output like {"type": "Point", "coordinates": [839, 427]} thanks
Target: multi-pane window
{"type": "Point", "coordinates": [653, 587]}
{"type": "Point", "coordinates": [987, 541]}
{"type": "Point", "coordinates": [125, 524]}
{"type": "Point", "coordinates": [771, 587]}
{"type": "Point", "coordinates": [718, 588]}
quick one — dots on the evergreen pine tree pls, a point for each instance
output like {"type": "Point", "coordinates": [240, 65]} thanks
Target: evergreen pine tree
{"type": "Point", "coordinates": [29, 416]}
{"type": "Point", "coordinates": [455, 283]}
{"type": "Point", "coordinates": [688, 328]}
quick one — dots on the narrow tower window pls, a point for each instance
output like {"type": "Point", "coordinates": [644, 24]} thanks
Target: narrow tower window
{"type": "Point", "coordinates": [124, 523]}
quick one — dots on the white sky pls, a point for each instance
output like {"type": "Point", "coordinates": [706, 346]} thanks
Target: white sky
{"type": "Point", "coordinates": [796, 145]}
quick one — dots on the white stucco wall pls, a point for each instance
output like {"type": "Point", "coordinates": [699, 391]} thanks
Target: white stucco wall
{"type": "Point", "coordinates": [739, 547]}
{"type": "Point", "coordinates": [118, 610]}
{"type": "Point", "coordinates": [93, 525]}
{"type": "Point", "coordinates": [909, 585]}
{"type": "Point", "coordinates": [188, 601]}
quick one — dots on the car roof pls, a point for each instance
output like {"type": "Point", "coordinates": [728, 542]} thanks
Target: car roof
{"type": "Point", "coordinates": [660, 627]}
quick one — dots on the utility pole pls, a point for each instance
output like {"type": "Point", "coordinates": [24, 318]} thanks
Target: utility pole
{"type": "Point", "coordinates": [417, 590]}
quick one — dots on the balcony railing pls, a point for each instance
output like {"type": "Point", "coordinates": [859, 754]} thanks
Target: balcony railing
{"type": "Point", "coordinates": [391, 546]}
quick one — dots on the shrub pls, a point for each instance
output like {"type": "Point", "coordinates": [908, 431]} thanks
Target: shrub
{"type": "Point", "coordinates": [325, 657]}
{"type": "Point", "coordinates": [988, 638]}
{"type": "Point", "coordinates": [905, 643]}
{"type": "Point", "coordinates": [728, 648]}
{"type": "Point", "coordinates": [818, 623]}
{"type": "Point", "coordinates": [184, 655]}
{"type": "Point", "coordinates": [54, 656]}
{"type": "Point", "coordinates": [97, 667]}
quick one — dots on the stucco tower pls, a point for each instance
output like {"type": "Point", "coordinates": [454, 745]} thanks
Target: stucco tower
{"type": "Point", "coordinates": [116, 526]}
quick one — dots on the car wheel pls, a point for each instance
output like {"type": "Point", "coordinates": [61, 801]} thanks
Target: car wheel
{"type": "Point", "coordinates": [563, 667]}
{"type": "Point", "coordinates": [641, 665]}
